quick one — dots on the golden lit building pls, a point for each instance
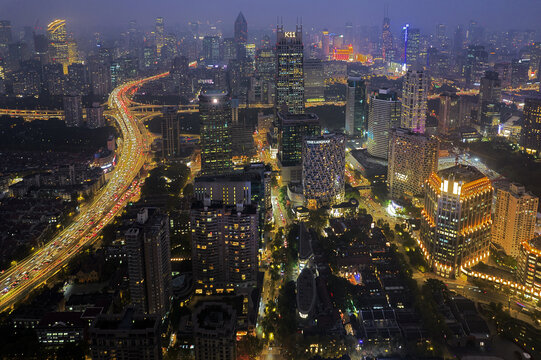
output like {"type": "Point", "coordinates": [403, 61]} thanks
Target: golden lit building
{"type": "Point", "coordinates": [529, 265]}
{"type": "Point", "coordinates": [456, 220]}
{"type": "Point", "coordinates": [412, 158]}
{"type": "Point", "coordinates": [58, 43]}
{"type": "Point", "coordinates": [514, 218]}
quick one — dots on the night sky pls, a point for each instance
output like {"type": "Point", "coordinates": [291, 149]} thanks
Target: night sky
{"type": "Point", "coordinates": [113, 14]}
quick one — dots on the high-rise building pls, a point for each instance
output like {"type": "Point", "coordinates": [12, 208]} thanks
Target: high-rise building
{"type": "Point", "coordinates": [73, 110]}
{"type": "Point", "coordinates": [412, 158]}
{"type": "Point", "coordinates": [170, 133]}
{"type": "Point", "coordinates": [531, 128]}
{"type": "Point", "coordinates": [456, 219]}
{"type": "Point", "coordinates": [489, 104]}
{"type": "Point", "coordinates": [214, 331]}
{"type": "Point", "coordinates": [289, 71]}
{"type": "Point", "coordinates": [160, 35]}
{"type": "Point", "coordinates": [323, 169]}
{"type": "Point", "coordinates": [5, 36]}
{"type": "Point", "coordinates": [412, 45]}
{"type": "Point", "coordinates": [529, 265]}
{"type": "Point", "coordinates": [211, 49]}
{"type": "Point", "coordinates": [387, 50]}
{"type": "Point", "coordinates": [384, 115]}
{"type": "Point", "coordinates": [224, 246]}
{"type": "Point", "coordinates": [449, 113]}
{"type": "Point", "coordinates": [291, 131]}
{"type": "Point", "coordinates": [148, 248]}
{"type": "Point", "coordinates": [475, 65]}
{"type": "Point", "coordinates": [94, 116]}
{"type": "Point", "coordinates": [215, 118]}
{"type": "Point", "coordinates": [415, 100]}
{"type": "Point", "coordinates": [356, 107]}
{"type": "Point", "coordinates": [58, 42]}
{"type": "Point", "coordinates": [325, 44]}
{"type": "Point", "coordinates": [241, 35]}
{"type": "Point", "coordinates": [314, 80]}
{"type": "Point", "coordinates": [127, 336]}
{"type": "Point", "coordinates": [514, 218]}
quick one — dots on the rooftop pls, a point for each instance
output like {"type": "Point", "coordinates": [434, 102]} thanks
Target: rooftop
{"type": "Point", "coordinates": [464, 173]}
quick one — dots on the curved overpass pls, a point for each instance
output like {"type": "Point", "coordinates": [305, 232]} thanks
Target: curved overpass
{"type": "Point", "coordinates": [19, 280]}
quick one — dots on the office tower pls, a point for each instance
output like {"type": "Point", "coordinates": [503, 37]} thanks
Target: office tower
{"type": "Point", "coordinates": [5, 36]}
{"type": "Point", "coordinates": [265, 64]}
{"type": "Point", "coordinates": [325, 44]}
{"type": "Point", "coordinates": [94, 116]}
{"type": "Point", "coordinates": [504, 73]}
{"type": "Point", "coordinates": [214, 331]}
{"type": "Point", "coordinates": [519, 72]}
{"type": "Point", "coordinates": [412, 158]}
{"type": "Point", "coordinates": [211, 49]}
{"type": "Point", "coordinates": [456, 219]}
{"type": "Point", "coordinates": [475, 33]}
{"type": "Point", "coordinates": [100, 77]}
{"type": "Point", "coordinates": [323, 168]}
{"type": "Point", "coordinates": [170, 133]}
{"type": "Point", "coordinates": [53, 79]}
{"type": "Point", "coordinates": [387, 39]}
{"type": "Point", "coordinates": [58, 43]}
{"type": "Point", "coordinates": [384, 115]}
{"type": "Point", "coordinates": [148, 248]}
{"type": "Point", "coordinates": [449, 113]}
{"type": "Point", "coordinates": [458, 41]}
{"type": "Point", "coordinates": [514, 218]}
{"type": "Point", "coordinates": [215, 119]}
{"type": "Point", "coordinates": [314, 80]}
{"type": "Point", "coordinates": [441, 37]}
{"type": "Point", "coordinates": [475, 65]}
{"type": "Point", "coordinates": [412, 45]}
{"type": "Point", "coordinates": [529, 265]}
{"type": "Point", "coordinates": [160, 35]}
{"type": "Point", "coordinates": [224, 246]}
{"type": "Point", "coordinates": [291, 131]}
{"type": "Point", "coordinates": [415, 100]}
{"type": "Point", "coordinates": [229, 50]}
{"type": "Point", "coordinates": [289, 71]}
{"type": "Point", "coordinates": [489, 104]}
{"type": "Point", "coordinates": [356, 107]}
{"type": "Point", "coordinates": [78, 79]}
{"type": "Point", "coordinates": [128, 336]}
{"type": "Point", "coordinates": [531, 128]}
{"type": "Point", "coordinates": [73, 110]}
{"type": "Point", "coordinates": [241, 35]}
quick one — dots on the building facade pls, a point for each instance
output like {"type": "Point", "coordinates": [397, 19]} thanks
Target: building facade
{"type": "Point", "coordinates": [531, 128]}
{"type": "Point", "coordinates": [356, 107]}
{"type": "Point", "coordinates": [412, 158]}
{"type": "Point", "coordinates": [384, 115]}
{"type": "Point", "coordinates": [529, 264]}
{"type": "Point", "coordinates": [514, 218]}
{"type": "Point", "coordinates": [73, 111]}
{"type": "Point", "coordinates": [214, 329]}
{"type": "Point", "coordinates": [289, 71]}
{"type": "Point", "coordinates": [414, 100]}
{"type": "Point", "coordinates": [456, 219]}
{"type": "Point", "coordinates": [215, 118]}
{"type": "Point", "coordinates": [323, 169]}
{"type": "Point", "coordinates": [148, 248]}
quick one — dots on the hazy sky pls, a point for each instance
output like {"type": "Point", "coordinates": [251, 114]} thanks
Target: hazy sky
{"type": "Point", "coordinates": [94, 14]}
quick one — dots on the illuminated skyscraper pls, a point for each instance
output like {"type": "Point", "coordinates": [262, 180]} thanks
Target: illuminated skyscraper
{"type": "Point", "coordinates": [160, 35]}
{"type": "Point", "coordinates": [215, 118]}
{"type": "Point", "coordinates": [490, 96]}
{"type": "Point", "coordinates": [58, 42]}
{"type": "Point", "coordinates": [387, 50]}
{"type": "Point", "coordinates": [314, 80]}
{"type": "Point", "coordinates": [456, 219]}
{"type": "Point", "coordinates": [529, 264]}
{"type": "Point", "coordinates": [412, 44]}
{"type": "Point", "coordinates": [323, 168]}
{"type": "Point", "coordinates": [412, 158]}
{"type": "Point", "coordinates": [356, 107]}
{"type": "Point", "coordinates": [211, 49]}
{"type": "Point", "coordinates": [384, 115]}
{"type": "Point", "coordinates": [449, 113]}
{"type": "Point", "coordinates": [241, 35]}
{"type": "Point", "coordinates": [289, 71]}
{"type": "Point", "coordinates": [170, 134]}
{"type": "Point", "coordinates": [415, 100]}
{"type": "Point", "coordinates": [292, 130]}
{"type": "Point", "coordinates": [514, 218]}
{"type": "Point", "coordinates": [325, 44]}
{"type": "Point", "coordinates": [531, 128]}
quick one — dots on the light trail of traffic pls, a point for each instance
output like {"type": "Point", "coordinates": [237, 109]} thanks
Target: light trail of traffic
{"type": "Point", "coordinates": [19, 280]}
